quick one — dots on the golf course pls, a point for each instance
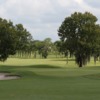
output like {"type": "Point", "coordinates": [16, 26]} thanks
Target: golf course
{"type": "Point", "coordinates": [49, 50]}
{"type": "Point", "coordinates": [50, 79]}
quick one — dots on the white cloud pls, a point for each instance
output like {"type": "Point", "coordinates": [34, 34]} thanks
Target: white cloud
{"type": "Point", "coordinates": [64, 3]}
{"type": "Point", "coordinates": [43, 17]}
{"type": "Point", "coordinates": [26, 7]}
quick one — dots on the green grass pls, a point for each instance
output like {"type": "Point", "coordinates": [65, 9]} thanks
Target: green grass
{"type": "Point", "coordinates": [50, 79]}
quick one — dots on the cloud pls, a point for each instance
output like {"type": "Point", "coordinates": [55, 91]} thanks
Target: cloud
{"type": "Point", "coordinates": [93, 3]}
{"type": "Point", "coordinates": [43, 18]}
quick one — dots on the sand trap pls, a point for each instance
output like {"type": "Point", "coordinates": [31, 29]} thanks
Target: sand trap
{"type": "Point", "coordinates": [8, 76]}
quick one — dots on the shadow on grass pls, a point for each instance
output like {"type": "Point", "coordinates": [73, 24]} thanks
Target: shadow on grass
{"type": "Point", "coordinates": [6, 67]}
{"type": "Point", "coordinates": [26, 73]}
{"type": "Point", "coordinates": [23, 74]}
{"type": "Point", "coordinates": [93, 76]}
{"type": "Point", "coordinates": [93, 67]}
{"type": "Point", "coordinates": [63, 60]}
{"type": "Point", "coordinates": [43, 66]}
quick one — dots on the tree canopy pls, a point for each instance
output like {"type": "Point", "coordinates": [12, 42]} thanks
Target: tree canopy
{"type": "Point", "coordinates": [7, 39]}
{"type": "Point", "coordinates": [80, 35]}
{"type": "Point", "coordinates": [12, 38]}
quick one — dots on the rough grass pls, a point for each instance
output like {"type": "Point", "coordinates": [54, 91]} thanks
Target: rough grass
{"type": "Point", "coordinates": [50, 79]}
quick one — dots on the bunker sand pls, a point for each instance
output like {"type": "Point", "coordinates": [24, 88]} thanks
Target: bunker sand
{"type": "Point", "coordinates": [8, 76]}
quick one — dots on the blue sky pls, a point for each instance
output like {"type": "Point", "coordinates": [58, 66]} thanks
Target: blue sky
{"type": "Point", "coordinates": [42, 18]}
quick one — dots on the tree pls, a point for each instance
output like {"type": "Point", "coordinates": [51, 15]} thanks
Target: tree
{"type": "Point", "coordinates": [36, 47]}
{"type": "Point", "coordinates": [42, 47]}
{"type": "Point", "coordinates": [7, 39]}
{"type": "Point", "coordinates": [58, 47]}
{"type": "Point", "coordinates": [23, 38]}
{"type": "Point", "coordinates": [12, 39]}
{"type": "Point", "coordinates": [80, 35]}
{"type": "Point", "coordinates": [47, 44]}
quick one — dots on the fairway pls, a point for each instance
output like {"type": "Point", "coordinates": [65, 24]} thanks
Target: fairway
{"type": "Point", "coordinates": [50, 79]}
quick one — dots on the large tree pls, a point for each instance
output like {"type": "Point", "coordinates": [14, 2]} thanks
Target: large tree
{"type": "Point", "coordinates": [80, 35]}
{"type": "Point", "coordinates": [12, 39]}
{"type": "Point", "coordinates": [7, 39]}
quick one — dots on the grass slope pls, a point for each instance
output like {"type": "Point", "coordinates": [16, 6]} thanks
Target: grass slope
{"type": "Point", "coordinates": [50, 79]}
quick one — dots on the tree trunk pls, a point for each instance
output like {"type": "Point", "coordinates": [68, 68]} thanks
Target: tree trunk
{"type": "Point", "coordinates": [67, 60]}
{"type": "Point", "coordinates": [35, 54]}
{"type": "Point", "coordinates": [95, 60]}
{"type": "Point", "coordinates": [80, 63]}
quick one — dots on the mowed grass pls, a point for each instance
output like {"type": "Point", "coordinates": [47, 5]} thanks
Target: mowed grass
{"type": "Point", "coordinates": [50, 79]}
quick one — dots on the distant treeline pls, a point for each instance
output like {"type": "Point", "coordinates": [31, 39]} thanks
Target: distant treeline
{"type": "Point", "coordinates": [79, 37]}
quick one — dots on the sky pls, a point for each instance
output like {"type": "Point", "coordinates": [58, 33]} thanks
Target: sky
{"type": "Point", "coordinates": [42, 18]}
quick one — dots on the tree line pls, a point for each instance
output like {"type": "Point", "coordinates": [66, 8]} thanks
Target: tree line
{"type": "Point", "coordinates": [16, 41]}
{"type": "Point", "coordinates": [79, 37]}
{"type": "Point", "coordinates": [40, 49]}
